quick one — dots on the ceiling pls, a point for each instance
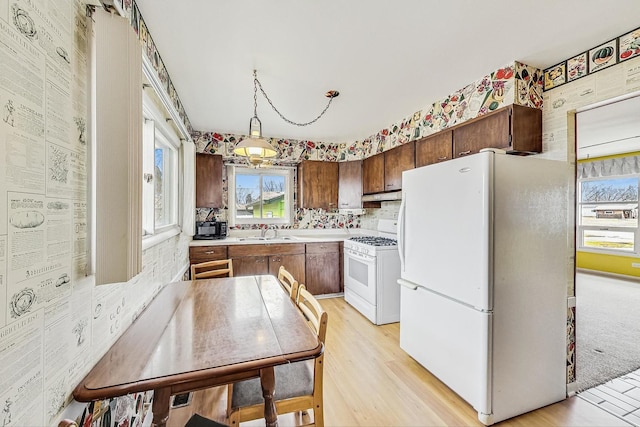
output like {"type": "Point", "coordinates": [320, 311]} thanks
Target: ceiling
{"type": "Point", "coordinates": [387, 59]}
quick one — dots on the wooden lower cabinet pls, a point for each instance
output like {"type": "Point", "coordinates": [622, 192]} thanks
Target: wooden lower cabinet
{"type": "Point", "coordinates": [323, 270]}
{"type": "Point", "coordinates": [267, 259]}
{"type": "Point", "coordinates": [316, 265]}
{"type": "Point", "coordinates": [293, 263]}
{"type": "Point", "coordinates": [198, 254]}
{"type": "Point", "coordinates": [250, 265]}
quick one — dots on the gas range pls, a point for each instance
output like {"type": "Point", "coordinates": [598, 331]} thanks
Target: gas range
{"type": "Point", "coordinates": [371, 271]}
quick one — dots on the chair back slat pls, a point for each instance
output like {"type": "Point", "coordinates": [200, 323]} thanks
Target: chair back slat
{"type": "Point", "coordinates": [312, 311]}
{"type": "Point", "coordinates": [208, 269]}
{"type": "Point", "coordinates": [288, 281]}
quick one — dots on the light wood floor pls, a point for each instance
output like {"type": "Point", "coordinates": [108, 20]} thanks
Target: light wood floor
{"type": "Point", "coordinates": [370, 381]}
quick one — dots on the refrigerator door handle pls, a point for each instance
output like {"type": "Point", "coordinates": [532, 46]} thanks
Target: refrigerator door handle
{"type": "Point", "coordinates": [408, 285]}
{"type": "Point", "coordinates": [400, 232]}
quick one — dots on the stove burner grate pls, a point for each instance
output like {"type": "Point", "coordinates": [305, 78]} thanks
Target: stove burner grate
{"type": "Point", "coordinates": [374, 240]}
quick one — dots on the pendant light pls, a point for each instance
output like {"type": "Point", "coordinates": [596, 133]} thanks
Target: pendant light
{"type": "Point", "coordinates": [256, 148]}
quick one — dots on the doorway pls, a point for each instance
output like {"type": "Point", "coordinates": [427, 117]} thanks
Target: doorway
{"type": "Point", "coordinates": [607, 285]}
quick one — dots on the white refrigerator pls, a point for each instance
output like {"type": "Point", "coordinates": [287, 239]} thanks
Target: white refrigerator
{"type": "Point", "coordinates": [484, 251]}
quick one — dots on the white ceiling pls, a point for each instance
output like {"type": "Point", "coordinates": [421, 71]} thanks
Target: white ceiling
{"type": "Point", "coordinates": [387, 59]}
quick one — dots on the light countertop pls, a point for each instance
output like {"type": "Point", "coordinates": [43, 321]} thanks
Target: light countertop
{"type": "Point", "coordinates": [252, 237]}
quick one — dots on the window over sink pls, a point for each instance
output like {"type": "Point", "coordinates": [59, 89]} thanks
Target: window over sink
{"type": "Point", "coordinates": [260, 195]}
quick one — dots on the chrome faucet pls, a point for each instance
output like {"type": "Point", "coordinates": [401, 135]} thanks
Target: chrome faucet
{"type": "Point", "coordinates": [265, 231]}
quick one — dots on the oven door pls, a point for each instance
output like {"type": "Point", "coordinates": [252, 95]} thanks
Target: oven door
{"type": "Point", "coordinates": [360, 276]}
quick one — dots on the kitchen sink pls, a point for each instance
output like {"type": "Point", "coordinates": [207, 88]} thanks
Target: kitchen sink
{"type": "Point", "coordinates": [266, 239]}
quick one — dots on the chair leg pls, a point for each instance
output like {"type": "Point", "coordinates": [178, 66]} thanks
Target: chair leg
{"type": "Point", "coordinates": [318, 413]}
{"type": "Point", "coordinates": [229, 395]}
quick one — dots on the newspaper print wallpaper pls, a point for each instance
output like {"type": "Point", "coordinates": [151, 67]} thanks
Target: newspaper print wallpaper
{"type": "Point", "coordinates": [55, 323]}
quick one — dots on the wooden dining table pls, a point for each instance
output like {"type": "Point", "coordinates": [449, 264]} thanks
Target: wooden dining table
{"type": "Point", "coordinates": [204, 333]}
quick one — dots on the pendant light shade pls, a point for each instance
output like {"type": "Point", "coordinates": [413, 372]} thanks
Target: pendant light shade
{"type": "Point", "coordinates": [255, 148]}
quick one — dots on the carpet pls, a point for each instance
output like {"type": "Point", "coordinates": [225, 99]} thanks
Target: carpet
{"type": "Point", "coordinates": [607, 329]}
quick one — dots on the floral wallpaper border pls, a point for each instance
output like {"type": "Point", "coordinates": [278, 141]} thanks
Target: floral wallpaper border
{"type": "Point", "coordinates": [516, 83]}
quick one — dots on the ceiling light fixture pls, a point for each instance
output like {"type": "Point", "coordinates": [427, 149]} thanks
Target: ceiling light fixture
{"type": "Point", "coordinates": [257, 149]}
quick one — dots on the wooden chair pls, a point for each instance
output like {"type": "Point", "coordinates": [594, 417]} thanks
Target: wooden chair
{"type": "Point", "coordinates": [298, 384]}
{"type": "Point", "coordinates": [205, 270]}
{"type": "Point", "coordinates": [289, 283]}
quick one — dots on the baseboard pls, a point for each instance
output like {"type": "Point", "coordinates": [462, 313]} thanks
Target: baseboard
{"type": "Point", "coordinates": [336, 295]}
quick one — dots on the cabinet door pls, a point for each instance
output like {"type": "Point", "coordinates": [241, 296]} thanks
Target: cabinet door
{"type": "Point", "coordinates": [350, 184]}
{"type": "Point", "coordinates": [396, 161]}
{"type": "Point", "coordinates": [487, 131]}
{"type": "Point", "coordinates": [250, 265]}
{"type": "Point", "coordinates": [323, 268]}
{"type": "Point", "coordinates": [434, 148]}
{"type": "Point", "coordinates": [526, 129]}
{"type": "Point", "coordinates": [295, 264]}
{"type": "Point", "coordinates": [323, 273]}
{"type": "Point", "coordinates": [373, 174]}
{"type": "Point", "coordinates": [208, 180]}
{"type": "Point", "coordinates": [198, 254]}
{"type": "Point", "coordinates": [318, 185]}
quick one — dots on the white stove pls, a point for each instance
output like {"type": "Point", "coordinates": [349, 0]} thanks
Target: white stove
{"type": "Point", "coordinates": [371, 271]}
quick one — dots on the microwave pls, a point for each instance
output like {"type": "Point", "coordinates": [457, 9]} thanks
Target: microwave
{"type": "Point", "coordinates": [209, 230]}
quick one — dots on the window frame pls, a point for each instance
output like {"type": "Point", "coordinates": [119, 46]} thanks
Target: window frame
{"type": "Point", "coordinates": [581, 228]}
{"type": "Point", "coordinates": [286, 172]}
{"type": "Point", "coordinates": [157, 132]}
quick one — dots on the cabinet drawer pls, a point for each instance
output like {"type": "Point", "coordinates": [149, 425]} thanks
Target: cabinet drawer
{"type": "Point", "coordinates": [206, 253]}
{"type": "Point", "coordinates": [321, 248]}
{"type": "Point", "coordinates": [265, 249]}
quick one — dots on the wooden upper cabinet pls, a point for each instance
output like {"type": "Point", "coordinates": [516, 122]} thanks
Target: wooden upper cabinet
{"type": "Point", "coordinates": [208, 180]}
{"type": "Point", "coordinates": [318, 185]}
{"type": "Point", "coordinates": [514, 128]}
{"type": "Point", "coordinates": [526, 129]}
{"type": "Point", "coordinates": [350, 184]}
{"type": "Point", "coordinates": [373, 174]}
{"type": "Point", "coordinates": [397, 160]}
{"type": "Point", "coordinates": [434, 148]}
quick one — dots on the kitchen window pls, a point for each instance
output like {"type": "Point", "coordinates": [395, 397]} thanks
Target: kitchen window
{"type": "Point", "coordinates": [260, 195]}
{"type": "Point", "coordinates": [161, 152]}
{"type": "Point", "coordinates": [608, 214]}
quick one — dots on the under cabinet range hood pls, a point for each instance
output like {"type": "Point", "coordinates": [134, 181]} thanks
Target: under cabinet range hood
{"type": "Point", "coordinates": [382, 197]}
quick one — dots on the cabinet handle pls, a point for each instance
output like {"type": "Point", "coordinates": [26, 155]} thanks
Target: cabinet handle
{"type": "Point", "coordinates": [210, 252]}
{"type": "Point", "coordinates": [464, 153]}
{"type": "Point", "coordinates": [258, 261]}
{"type": "Point", "coordinates": [344, 204]}
{"type": "Point", "coordinates": [442, 158]}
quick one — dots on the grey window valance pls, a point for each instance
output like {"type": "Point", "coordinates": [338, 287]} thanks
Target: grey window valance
{"type": "Point", "coordinates": [609, 167]}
